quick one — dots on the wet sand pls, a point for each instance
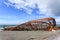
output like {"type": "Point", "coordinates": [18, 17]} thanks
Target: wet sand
{"type": "Point", "coordinates": [29, 35]}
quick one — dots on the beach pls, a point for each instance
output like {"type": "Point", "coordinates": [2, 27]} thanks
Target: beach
{"type": "Point", "coordinates": [29, 35]}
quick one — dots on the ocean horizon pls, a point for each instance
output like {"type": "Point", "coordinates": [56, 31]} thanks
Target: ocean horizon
{"type": "Point", "coordinates": [8, 25]}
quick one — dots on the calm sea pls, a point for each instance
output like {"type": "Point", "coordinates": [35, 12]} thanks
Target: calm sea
{"type": "Point", "coordinates": [2, 26]}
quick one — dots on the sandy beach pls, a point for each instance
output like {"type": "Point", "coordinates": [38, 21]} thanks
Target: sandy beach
{"type": "Point", "coordinates": [29, 35]}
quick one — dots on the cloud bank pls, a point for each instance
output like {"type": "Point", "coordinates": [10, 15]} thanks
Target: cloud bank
{"type": "Point", "coordinates": [45, 7]}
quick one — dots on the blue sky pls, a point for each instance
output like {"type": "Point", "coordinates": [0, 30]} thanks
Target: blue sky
{"type": "Point", "coordinates": [20, 11]}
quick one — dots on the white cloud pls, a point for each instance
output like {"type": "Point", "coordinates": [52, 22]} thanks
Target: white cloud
{"type": "Point", "coordinates": [28, 5]}
{"type": "Point", "coordinates": [10, 22]}
{"type": "Point", "coordinates": [46, 7]}
{"type": "Point", "coordinates": [57, 21]}
{"type": "Point", "coordinates": [8, 16]}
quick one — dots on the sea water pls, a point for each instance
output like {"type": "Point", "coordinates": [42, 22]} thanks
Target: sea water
{"type": "Point", "coordinates": [2, 26]}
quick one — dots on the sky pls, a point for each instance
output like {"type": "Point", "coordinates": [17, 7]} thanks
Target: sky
{"type": "Point", "coordinates": [20, 11]}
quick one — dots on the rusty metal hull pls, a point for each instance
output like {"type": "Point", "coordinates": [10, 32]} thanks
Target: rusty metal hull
{"type": "Point", "coordinates": [40, 24]}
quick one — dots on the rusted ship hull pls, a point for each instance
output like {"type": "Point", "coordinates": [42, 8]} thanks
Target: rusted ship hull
{"type": "Point", "coordinates": [41, 24]}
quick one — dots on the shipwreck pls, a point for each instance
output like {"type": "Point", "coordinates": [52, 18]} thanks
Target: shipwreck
{"type": "Point", "coordinates": [47, 24]}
